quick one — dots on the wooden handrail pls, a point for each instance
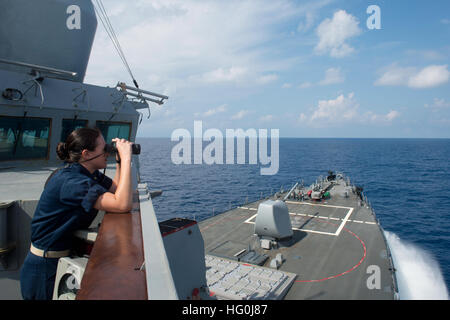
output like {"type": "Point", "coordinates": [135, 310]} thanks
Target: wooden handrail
{"type": "Point", "coordinates": [114, 270]}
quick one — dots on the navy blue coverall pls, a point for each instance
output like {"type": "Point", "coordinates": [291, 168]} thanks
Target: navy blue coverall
{"type": "Point", "coordinates": [66, 205]}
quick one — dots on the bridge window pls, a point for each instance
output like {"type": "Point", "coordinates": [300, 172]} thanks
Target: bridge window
{"type": "Point", "coordinates": [68, 125]}
{"type": "Point", "coordinates": [24, 138]}
{"type": "Point", "coordinates": [111, 130]}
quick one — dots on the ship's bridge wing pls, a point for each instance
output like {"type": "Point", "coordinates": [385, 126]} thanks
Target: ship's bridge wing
{"type": "Point", "coordinates": [116, 268]}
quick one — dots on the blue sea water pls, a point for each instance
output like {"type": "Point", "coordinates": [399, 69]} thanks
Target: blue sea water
{"type": "Point", "coordinates": [407, 182]}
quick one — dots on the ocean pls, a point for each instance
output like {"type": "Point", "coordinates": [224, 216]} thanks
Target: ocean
{"type": "Point", "coordinates": [407, 181]}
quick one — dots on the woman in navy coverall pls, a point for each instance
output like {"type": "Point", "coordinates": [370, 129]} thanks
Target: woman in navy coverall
{"type": "Point", "coordinates": [70, 201]}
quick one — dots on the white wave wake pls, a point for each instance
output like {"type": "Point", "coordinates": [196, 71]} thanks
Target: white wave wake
{"type": "Point", "coordinates": [419, 276]}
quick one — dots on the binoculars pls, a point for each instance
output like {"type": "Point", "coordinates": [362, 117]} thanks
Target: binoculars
{"type": "Point", "coordinates": [111, 148]}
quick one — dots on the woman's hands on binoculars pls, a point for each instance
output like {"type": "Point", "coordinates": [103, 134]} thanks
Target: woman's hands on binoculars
{"type": "Point", "coordinates": [120, 196]}
{"type": "Point", "coordinates": [123, 149]}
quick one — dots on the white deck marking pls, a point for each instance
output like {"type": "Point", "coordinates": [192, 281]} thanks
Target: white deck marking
{"type": "Point", "coordinates": [306, 230]}
{"type": "Point", "coordinates": [344, 222]}
{"type": "Point", "coordinates": [316, 204]}
{"type": "Point", "coordinates": [248, 220]}
{"type": "Point", "coordinates": [338, 231]}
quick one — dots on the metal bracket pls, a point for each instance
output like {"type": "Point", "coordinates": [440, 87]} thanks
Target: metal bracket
{"type": "Point", "coordinates": [36, 68]}
{"type": "Point", "coordinates": [142, 95]}
{"type": "Point", "coordinates": [85, 96]}
{"type": "Point", "coordinates": [118, 104]}
{"type": "Point", "coordinates": [149, 112]}
{"type": "Point", "coordinates": [143, 190]}
{"type": "Point", "coordinates": [36, 84]}
{"type": "Point", "coordinates": [141, 268]}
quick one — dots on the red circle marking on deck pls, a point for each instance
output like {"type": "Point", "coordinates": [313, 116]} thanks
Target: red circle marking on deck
{"type": "Point", "coordinates": [349, 270]}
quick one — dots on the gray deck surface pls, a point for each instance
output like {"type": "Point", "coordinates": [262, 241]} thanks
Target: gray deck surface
{"type": "Point", "coordinates": [337, 243]}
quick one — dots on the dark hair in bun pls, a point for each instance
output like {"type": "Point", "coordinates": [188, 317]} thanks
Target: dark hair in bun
{"type": "Point", "coordinates": [62, 151]}
{"type": "Point", "coordinates": [76, 142]}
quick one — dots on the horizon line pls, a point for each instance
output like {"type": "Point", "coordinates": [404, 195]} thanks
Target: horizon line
{"type": "Point", "coordinates": [387, 138]}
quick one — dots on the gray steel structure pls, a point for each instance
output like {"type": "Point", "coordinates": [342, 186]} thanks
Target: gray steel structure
{"type": "Point", "coordinates": [57, 34]}
{"type": "Point", "coordinates": [44, 52]}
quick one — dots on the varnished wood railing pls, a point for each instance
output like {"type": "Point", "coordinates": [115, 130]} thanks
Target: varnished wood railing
{"type": "Point", "coordinates": [114, 270]}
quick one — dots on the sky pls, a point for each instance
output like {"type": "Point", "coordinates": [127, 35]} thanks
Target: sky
{"type": "Point", "coordinates": [323, 68]}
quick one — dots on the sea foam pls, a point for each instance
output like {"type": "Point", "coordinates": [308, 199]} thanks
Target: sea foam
{"type": "Point", "coordinates": [419, 276]}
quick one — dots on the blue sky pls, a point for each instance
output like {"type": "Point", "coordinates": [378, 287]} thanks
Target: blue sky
{"type": "Point", "coordinates": [307, 68]}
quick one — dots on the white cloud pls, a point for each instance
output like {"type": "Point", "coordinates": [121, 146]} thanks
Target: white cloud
{"type": "Point", "coordinates": [431, 76]}
{"type": "Point", "coordinates": [238, 75]}
{"type": "Point", "coordinates": [266, 118]}
{"type": "Point", "coordinates": [264, 79]}
{"type": "Point", "coordinates": [305, 85]}
{"type": "Point", "coordinates": [241, 114]}
{"type": "Point", "coordinates": [162, 111]}
{"type": "Point", "coordinates": [445, 21]}
{"type": "Point", "coordinates": [163, 117]}
{"type": "Point", "coordinates": [211, 112]}
{"type": "Point", "coordinates": [286, 85]}
{"type": "Point", "coordinates": [190, 43]}
{"type": "Point", "coordinates": [332, 76]}
{"type": "Point", "coordinates": [310, 15]}
{"type": "Point", "coordinates": [392, 115]}
{"type": "Point", "coordinates": [222, 75]}
{"type": "Point", "coordinates": [334, 33]}
{"type": "Point", "coordinates": [426, 54]}
{"type": "Point", "coordinates": [377, 118]}
{"type": "Point", "coordinates": [337, 110]}
{"type": "Point", "coordinates": [344, 110]}
{"type": "Point", "coordinates": [302, 117]}
{"type": "Point", "coordinates": [307, 23]}
{"type": "Point", "coordinates": [438, 104]}
{"type": "Point", "coordinates": [395, 76]}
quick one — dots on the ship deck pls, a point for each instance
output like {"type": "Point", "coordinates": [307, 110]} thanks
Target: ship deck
{"type": "Point", "coordinates": [338, 250]}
